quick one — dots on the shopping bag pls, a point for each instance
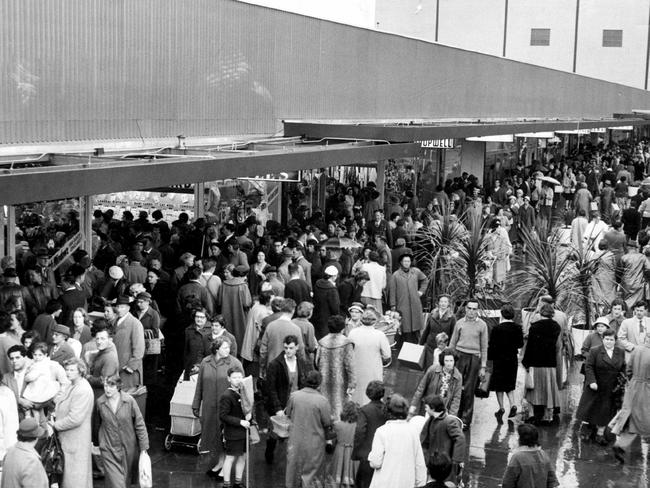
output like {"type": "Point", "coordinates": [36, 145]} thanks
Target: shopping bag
{"type": "Point", "coordinates": [152, 342]}
{"type": "Point", "coordinates": [412, 356]}
{"type": "Point", "coordinates": [144, 470]}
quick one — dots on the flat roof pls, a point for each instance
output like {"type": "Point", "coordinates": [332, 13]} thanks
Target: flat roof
{"type": "Point", "coordinates": [411, 130]}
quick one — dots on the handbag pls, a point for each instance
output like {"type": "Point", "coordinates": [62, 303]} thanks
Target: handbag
{"type": "Point", "coordinates": [144, 471]}
{"type": "Point", "coordinates": [253, 434]}
{"type": "Point", "coordinates": [53, 456]}
{"type": "Point", "coordinates": [529, 381]}
{"type": "Point", "coordinates": [151, 342]}
{"type": "Point", "coordinates": [483, 386]}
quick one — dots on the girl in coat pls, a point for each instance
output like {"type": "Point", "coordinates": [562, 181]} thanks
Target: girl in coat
{"type": "Point", "coordinates": [344, 469]}
{"type": "Point", "coordinates": [73, 425]}
{"type": "Point", "coordinates": [122, 434]}
{"type": "Point", "coordinates": [603, 367]}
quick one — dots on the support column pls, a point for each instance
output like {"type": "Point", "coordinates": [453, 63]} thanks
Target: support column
{"type": "Point", "coordinates": [86, 223]}
{"type": "Point", "coordinates": [381, 181]}
{"type": "Point", "coordinates": [472, 158]}
{"type": "Point", "coordinates": [199, 200]}
{"type": "Point", "coordinates": [10, 245]}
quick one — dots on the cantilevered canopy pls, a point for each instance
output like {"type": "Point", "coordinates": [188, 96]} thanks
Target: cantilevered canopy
{"type": "Point", "coordinates": [57, 176]}
{"type": "Point", "coordinates": [424, 130]}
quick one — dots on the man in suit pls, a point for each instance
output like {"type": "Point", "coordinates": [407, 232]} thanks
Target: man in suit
{"type": "Point", "coordinates": [22, 467]}
{"type": "Point", "coordinates": [634, 330]}
{"type": "Point", "coordinates": [371, 416]}
{"type": "Point", "coordinates": [15, 379]}
{"type": "Point", "coordinates": [129, 342]}
{"type": "Point", "coordinates": [273, 338]}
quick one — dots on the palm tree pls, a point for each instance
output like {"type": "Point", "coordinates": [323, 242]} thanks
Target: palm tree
{"type": "Point", "coordinates": [562, 271]}
{"type": "Point", "coordinates": [454, 256]}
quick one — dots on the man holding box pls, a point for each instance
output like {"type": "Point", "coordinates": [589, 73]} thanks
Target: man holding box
{"type": "Point", "coordinates": [470, 341]}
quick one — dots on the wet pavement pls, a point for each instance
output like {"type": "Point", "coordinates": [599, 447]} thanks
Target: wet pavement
{"type": "Point", "coordinates": [578, 463]}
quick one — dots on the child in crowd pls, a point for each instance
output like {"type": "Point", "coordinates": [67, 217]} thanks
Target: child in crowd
{"type": "Point", "coordinates": [235, 424]}
{"type": "Point", "coordinates": [439, 467]}
{"type": "Point", "coordinates": [344, 469]}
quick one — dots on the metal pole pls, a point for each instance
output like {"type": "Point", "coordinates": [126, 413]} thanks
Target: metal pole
{"type": "Point", "coordinates": [11, 231]}
{"type": "Point", "coordinates": [86, 224]}
{"type": "Point", "coordinates": [199, 200]}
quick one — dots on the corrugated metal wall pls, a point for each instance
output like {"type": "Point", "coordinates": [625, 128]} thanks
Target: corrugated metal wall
{"type": "Point", "coordinates": [108, 69]}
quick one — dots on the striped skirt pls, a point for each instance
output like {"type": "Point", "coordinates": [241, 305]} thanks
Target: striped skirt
{"type": "Point", "coordinates": [545, 391]}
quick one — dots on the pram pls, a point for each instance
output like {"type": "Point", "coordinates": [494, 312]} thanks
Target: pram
{"type": "Point", "coordinates": [185, 428]}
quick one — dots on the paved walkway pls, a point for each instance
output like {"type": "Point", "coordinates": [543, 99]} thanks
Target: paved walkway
{"type": "Point", "coordinates": [578, 464]}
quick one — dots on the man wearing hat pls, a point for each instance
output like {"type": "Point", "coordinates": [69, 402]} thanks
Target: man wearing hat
{"type": "Point", "coordinates": [60, 350]}
{"type": "Point", "coordinates": [115, 286]}
{"type": "Point", "coordinates": [326, 301]}
{"type": "Point", "coordinates": [73, 297]}
{"type": "Point", "coordinates": [22, 467]}
{"type": "Point", "coordinates": [371, 351]}
{"type": "Point", "coordinates": [405, 292]}
{"type": "Point", "coordinates": [129, 342]}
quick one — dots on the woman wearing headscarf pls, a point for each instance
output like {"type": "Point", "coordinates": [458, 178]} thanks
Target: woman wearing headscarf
{"type": "Point", "coordinates": [122, 434]}
{"type": "Point", "coordinates": [211, 383]}
{"type": "Point", "coordinates": [441, 319]}
{"type": "Point", "coordinates": [540, 361]}
{"type": "Point", "coordinates": [604, 366]}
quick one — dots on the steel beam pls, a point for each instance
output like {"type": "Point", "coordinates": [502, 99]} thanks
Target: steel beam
{"type": "Point", "coordinates": [57, 182]}
{"type": "Point", "coordinates": [408, 133]}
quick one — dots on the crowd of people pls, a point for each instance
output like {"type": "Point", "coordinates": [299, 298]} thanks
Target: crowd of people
{"type": "Point", "coordinates": [298, 307]}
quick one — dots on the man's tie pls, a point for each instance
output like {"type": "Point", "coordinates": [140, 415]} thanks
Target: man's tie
{"type": "Point", "coordinates": [641, 328]}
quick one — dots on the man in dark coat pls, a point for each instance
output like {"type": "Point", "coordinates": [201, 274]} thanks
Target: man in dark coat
{"type": "Point", "coordinates": [326, 301]}
{"type": "Point", "coordinates": [281, 382]}
{"type": "Point", "coordinates": [350, 290]}
{"type": "Point", "coordinates": [371, 416]}
{"type": "Point", "coordinates": [193, 291]}
{"type": "Point", "coordinates": [297, 288]}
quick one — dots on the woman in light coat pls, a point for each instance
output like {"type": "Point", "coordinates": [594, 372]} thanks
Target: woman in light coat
{"type": "Point", "coordinates": [396, 453]}
{"type": "Point", "coordinates": [73, 424]}
{"type": "Point", "coordinates": [122, 434]}
{"type": "Point", "coordinates": [371, 351]}
{"type": "Point", "coordinates": [211, 383]}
